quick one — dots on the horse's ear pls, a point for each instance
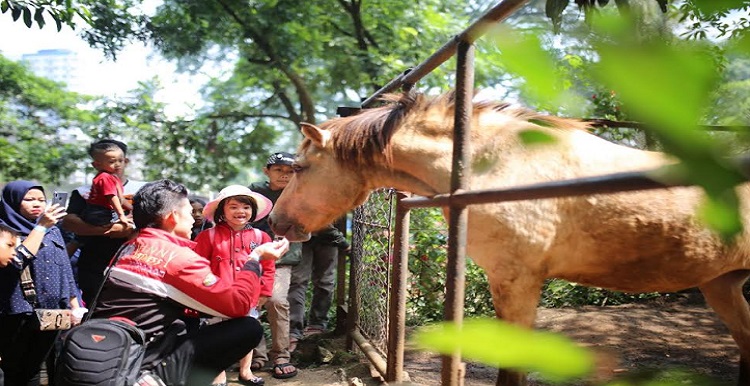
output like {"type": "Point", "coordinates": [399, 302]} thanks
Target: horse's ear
{"type": "Point", "coordinates": [318, 136]}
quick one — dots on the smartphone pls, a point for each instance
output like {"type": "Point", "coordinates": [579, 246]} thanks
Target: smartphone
{"type": "Point", "coordinates": [60, 198]}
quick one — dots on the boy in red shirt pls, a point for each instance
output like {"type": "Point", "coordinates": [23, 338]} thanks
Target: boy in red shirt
{"type": "Point", "coordinates": [105, 202]}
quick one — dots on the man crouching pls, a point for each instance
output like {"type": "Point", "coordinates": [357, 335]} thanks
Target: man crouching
{"type": "Point", "coordinates": [158, 276]}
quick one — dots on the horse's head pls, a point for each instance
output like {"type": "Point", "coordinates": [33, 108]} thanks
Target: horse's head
{"type": "Point", "coordinates": [320, 192]}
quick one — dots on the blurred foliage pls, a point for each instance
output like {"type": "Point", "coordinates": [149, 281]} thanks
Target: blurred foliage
{"type": "Point", "coordinates": [553, 356]}
{"type": "Point", "coordinates": [34, 112]}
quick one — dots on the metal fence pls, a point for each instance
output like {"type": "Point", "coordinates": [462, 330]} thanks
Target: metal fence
{"type": "Point", "coordinates": [371, 236]}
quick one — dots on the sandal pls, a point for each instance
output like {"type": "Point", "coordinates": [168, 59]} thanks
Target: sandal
{"type": "Point", "coordinates": [256, 366]}
{"type": "Point", "coordinates": [257, 381]}
{"type": "Point", "coordinates": [281, 374]}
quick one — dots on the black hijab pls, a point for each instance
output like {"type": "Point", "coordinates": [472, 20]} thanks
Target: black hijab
{"type": "Point", "coordinates": [13, 195]}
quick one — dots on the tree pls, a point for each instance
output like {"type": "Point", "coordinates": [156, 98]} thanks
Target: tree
{"type": "Point", "coordinates": [34, 113]}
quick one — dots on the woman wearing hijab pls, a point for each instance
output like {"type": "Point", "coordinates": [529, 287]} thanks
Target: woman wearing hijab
{"type": "Point", "coordinates": [23, 347]}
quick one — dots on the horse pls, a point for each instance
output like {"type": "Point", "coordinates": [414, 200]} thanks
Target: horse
{"type": "Point", "coordinates": [641, 241]}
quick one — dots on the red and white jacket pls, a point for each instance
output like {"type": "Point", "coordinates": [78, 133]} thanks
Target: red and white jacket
{"type": "Point", "coordinates": [158, 275]}
{"type": "Point", "coordinates": [227, 251]}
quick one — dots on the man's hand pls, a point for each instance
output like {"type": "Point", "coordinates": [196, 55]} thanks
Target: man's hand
{"type": "Point", "coordinates": [74, 223]}
{"type": "Point", "coordinates": [273, 250]}
{"type": "Point", "coordinates": [262, 301]}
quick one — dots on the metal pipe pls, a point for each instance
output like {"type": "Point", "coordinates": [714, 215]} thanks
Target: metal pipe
{"type": "Point", "coordinates": [605, 184]}
{"type": "Point", "coordinates": [370, 352]}
{"type": "Point", "coordinates": [397, 306]}
{"type": "Point", "coordinates": [352, 316]}
{"type": "Point", "coordinates": [452, 373]}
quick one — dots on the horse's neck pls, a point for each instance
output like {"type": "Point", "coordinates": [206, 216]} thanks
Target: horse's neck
{"type": "Point", "coordinates": [421, 164]}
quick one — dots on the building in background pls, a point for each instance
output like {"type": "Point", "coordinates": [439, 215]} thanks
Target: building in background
{"type": "Point", "coordinates": [55, 64]}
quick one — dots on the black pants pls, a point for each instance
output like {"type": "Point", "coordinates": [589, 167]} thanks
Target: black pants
{"type": "Point", "coordinates": [203, 354]}
{"type": "Point", "coordinates": [23, 348]}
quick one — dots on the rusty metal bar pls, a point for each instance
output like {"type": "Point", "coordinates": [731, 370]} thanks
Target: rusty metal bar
{"type": "Point", "coordinates": [340, 281]}
{"type": "Point", "coordinates": [341, 309]}
{"type": "Point", "coordinates": [452, 373]}
{"type": "Point", "coordinates": [352, 316]}
{"type": "Point", "coordinates": [497, 13]}
{"type": "Point", "coordinates": [397, 305]}
{"type": "Point", "coordinates": [370, 352]}
{"type": "Point", "coordinates": [605, 184]}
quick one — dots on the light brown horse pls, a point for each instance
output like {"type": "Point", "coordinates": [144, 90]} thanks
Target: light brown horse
{"type": "Point", "coordinates": [635, 242]}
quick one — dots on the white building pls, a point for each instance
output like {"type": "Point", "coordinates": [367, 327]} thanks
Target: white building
{"type": "Point", "coordinates": [55, 64]}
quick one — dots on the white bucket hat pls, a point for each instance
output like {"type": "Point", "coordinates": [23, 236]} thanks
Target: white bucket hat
{"type": "Point", "coordinates": [264, 204]}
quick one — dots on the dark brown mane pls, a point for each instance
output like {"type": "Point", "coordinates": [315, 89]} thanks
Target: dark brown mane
{"type": "Point", "coordinates": [363, 139]}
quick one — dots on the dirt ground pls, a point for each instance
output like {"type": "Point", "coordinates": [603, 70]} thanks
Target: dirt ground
{"type": "Point", "coordinates": [658, 335]}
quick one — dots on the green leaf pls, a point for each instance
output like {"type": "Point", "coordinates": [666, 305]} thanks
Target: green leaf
{"type": "Point", "coordinates": [39, 17]}
{"type": "Point", "coordinates": [4, 6]}
{"type": "Point", "coordinates": [410, 31]}
{"type": "Point", "coordinates": [497, 343]}
{"type": "Point", "coordinates": [535, 137]}
{"type": "Point", "coordinates": [722, 215]}
{"type": "Point", "coordinates": [27, 17]}
{"type": "Point", "coordinates": [16, 12]}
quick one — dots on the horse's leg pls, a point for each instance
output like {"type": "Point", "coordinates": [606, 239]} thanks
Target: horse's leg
{"type": "Point", "coordinates": [724, 295]}
{"type": "Point", "coordinates": [515, 301]}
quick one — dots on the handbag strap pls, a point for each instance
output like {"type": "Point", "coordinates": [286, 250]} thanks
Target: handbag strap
{"type": "Point", "coordinates": [27, 287]}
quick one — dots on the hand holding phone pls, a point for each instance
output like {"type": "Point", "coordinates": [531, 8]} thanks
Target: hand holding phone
{"type": "Point", "coordinates": [60, 198]}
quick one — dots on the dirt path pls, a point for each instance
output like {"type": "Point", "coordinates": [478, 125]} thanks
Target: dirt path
{"type": "Point", "coordinates": [636, 337]}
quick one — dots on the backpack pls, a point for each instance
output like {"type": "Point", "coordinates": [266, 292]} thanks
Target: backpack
{"type": "Point", "coordinates": [106, 352]}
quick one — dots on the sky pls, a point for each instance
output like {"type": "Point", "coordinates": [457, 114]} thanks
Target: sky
{"type": "Point", "coordinates": [99, 75]}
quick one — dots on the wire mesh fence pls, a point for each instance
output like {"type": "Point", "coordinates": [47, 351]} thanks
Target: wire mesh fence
{"type": "Point", "coordinates": [372, 231]}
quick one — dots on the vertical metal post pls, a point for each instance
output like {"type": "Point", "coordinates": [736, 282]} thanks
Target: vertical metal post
{"type": "Point", "coordinates": [397, 298]}
{"type": "Point", "coordinates": [352, 314]}
{"type": "Point", "coordinates": [452, 370]}
{"type": "Point", "coordinates": [341, 281]}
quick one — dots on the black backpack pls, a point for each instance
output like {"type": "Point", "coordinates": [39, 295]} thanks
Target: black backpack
{"type": "Point", "coordinates": [106, 352]}
{"type": "Point", "coordinates": [101, 352]}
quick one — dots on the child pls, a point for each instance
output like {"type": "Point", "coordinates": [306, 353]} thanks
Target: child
{"type": "Point", "coordinates": [200, 223]}
{"type": "Point", "coordinates": [279, 170]}
{"type": "Point", "coordinates": [230, 243]}
{"type": "Point", "coordinates": [8, 238]}
{"type": "Point", "coordinates": [106, 203]}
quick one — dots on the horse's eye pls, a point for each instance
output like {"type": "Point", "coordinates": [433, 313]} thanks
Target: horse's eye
{"type": "Point", "coordinates": [297, 168]}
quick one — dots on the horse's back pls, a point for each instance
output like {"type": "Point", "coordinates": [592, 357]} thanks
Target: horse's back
{"type": "Point", "coordinates": [636, 241]}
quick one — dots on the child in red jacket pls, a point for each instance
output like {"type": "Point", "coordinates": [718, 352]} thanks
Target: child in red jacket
{"type": "Point", "coordinates": [230, 243]}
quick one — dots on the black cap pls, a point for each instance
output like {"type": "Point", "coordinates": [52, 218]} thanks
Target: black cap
{"type": "Point", "coordinates": [280, 158]}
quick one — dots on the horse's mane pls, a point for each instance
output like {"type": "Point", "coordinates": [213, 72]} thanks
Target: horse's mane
{"type": "Point", "coordinates": [363, 139]}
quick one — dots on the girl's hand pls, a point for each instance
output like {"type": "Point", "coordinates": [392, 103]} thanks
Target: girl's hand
{"type": "Point", "coordinates": [52, 215]}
